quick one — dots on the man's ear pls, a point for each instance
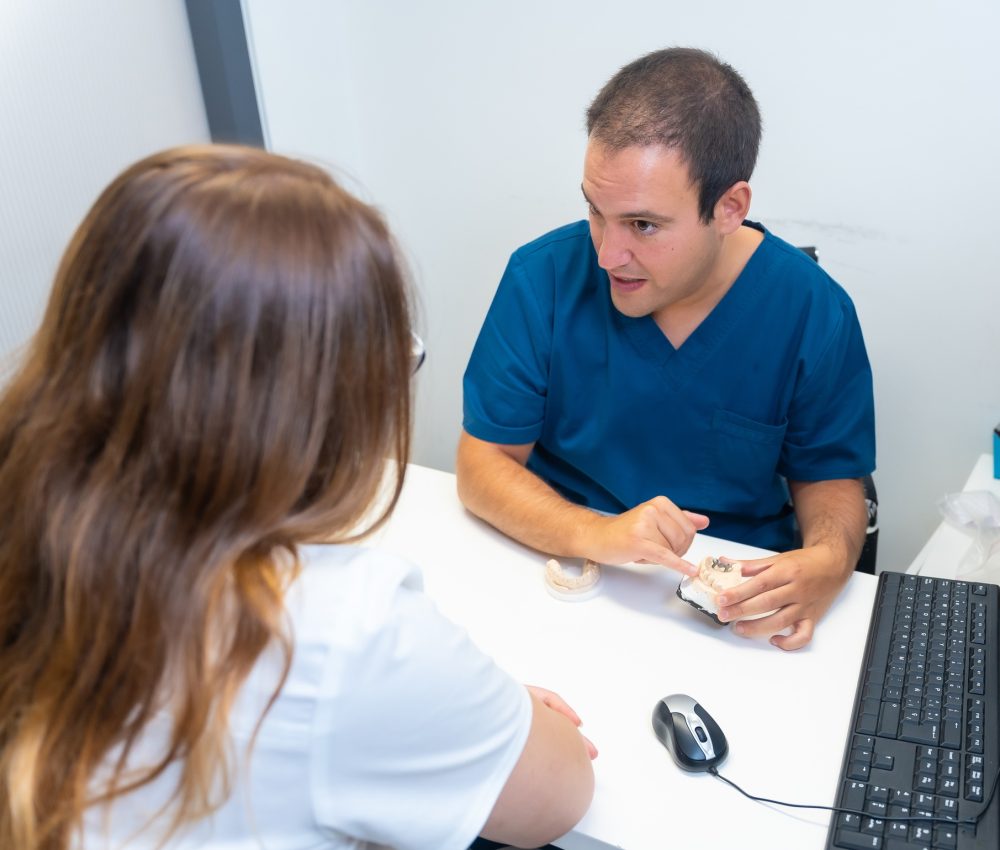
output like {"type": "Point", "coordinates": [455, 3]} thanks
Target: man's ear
{"type": "Point", "coordinates": [732, 208]}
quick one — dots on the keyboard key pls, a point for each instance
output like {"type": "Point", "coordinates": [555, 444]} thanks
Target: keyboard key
{"type": "Point", "coordinates": [888, 721]}
{"type": "Point", "coordinates": [857, 841]}
{"type": "Point", "coordinates": [945, 837]}
{"type": "Point", "coordinates": [853, 796]}
{"type": "Point", "coordinates": [879, 793]}
{"type": "Point", "coordinates": [846, 820]}
{"type": "Point", "coordinates": [872, 826]}
{"type": "Point", "coordinates": [867, 724]}
{"type": "Point", "coordinates": [883, 761]}
{"type": "Point", "coordinates": [897, 844]}
{"type": "Point", "coordinates": [951, 733]}
{"type": "Point", "coordinates": [858, 770]}
{"type": "Point", "coordinates": [947, 807]}
{"type": "Point", "coordinates": [876, 808]}
{"type": "Point", "coordinates": [947, 787]}
{"type": "Point", "coordinates": [919, 733]}
{"type": "Point", "coordinates": [900, 797]}
{"type": "Point", "coordinates": [897, 829]}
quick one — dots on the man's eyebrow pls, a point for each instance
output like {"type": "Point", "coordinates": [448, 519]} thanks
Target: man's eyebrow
{"type": "Point", "coordinates": [644, 215]}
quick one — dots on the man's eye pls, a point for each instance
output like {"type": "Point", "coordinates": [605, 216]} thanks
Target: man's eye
{"type": "Point", "coordinates": [592, 209]}
{"type": "Point", "coordinates": [644, 227]}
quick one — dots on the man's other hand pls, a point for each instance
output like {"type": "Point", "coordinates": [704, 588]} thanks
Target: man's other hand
{"type": "Point", "coordinates": [799, 586]}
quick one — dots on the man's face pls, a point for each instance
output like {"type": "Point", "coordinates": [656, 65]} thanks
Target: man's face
{"type": "Point", "coordinates": [646, 230]}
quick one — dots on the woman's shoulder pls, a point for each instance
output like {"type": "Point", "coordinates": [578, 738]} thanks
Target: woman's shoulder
{"type": "Point", "coordinates": [339, 564]}
{"type": "Point", "coordinates": [348, 590]}
{"type": "Point", "coordinates": [345, 602]}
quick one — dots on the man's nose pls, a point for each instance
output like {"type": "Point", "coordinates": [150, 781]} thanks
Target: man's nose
{"type": "Point", "coordinates": [612, 252]}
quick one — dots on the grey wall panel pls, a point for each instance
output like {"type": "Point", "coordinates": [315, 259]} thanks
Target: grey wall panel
{"type": "Point", "coordinates": [220, 46]}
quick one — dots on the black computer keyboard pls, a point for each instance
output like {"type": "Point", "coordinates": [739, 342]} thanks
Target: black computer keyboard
{"type": "Point", "coordinates": [924, 740]}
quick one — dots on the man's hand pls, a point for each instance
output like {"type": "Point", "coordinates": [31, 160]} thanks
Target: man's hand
{"type": "Point", "coordinates": [655, 532]}
{"type": "Point", "coordinates": [558, 704]}
{"type": "Point", "coordinates": [799, 586]}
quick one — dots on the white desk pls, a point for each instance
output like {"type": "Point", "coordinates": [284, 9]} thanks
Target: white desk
{"type": "Point", "coordinates": [612, 657]}
{"type": "Point", "coordinates": [944, 551]}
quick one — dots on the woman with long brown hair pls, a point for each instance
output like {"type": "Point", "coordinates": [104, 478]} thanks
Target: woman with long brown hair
{"type": "Point", "coordinates": [222, 372]}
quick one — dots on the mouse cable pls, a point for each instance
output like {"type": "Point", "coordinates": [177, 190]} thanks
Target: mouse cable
{"type": "Point", "coordinates": [967, 821]}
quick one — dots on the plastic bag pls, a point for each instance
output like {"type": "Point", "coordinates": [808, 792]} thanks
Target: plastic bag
{"type": "Point", "coordinates": [976, 513]}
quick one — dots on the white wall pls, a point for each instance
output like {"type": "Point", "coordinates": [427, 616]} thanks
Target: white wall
{"type": "Point", "coordinates": [85, 89]}
{"type": "Point", "coordinates": [464, 121]}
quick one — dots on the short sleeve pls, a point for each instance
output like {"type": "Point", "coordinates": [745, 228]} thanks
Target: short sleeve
{"type": "Point", "coordinates": [831, 431]}
{"type": "Point", "coordinates": [506, 382]}
{"type": "Point", "coordinates": [415, 734]}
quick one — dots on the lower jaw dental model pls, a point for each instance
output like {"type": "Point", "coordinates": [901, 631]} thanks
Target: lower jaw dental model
{"type": "Point", "coordinates": [569, 585]}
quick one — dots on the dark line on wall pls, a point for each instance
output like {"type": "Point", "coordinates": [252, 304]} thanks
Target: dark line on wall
{"type": "Point", "coordinates": [220, 49]}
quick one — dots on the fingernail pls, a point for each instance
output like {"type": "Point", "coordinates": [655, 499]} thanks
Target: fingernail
{"type": "Point", "coordinates": [738, 628]}
{"type": "Point", "coordinates": [723, 615]}
{"type": "Point", "coordinates": [722, 600]}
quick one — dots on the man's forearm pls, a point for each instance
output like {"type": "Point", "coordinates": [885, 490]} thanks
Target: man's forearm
{"type": "Point", "coordinates": [496, 486]}
{"type": "Point", "coordinates": [833, 514]}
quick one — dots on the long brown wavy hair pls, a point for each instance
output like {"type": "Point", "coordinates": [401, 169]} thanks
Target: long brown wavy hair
{"type": "Point", "coordinates": [222, 372]}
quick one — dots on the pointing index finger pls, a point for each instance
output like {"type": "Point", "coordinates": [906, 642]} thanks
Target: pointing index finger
{"type": "Point", "coordinates": [675, 562]}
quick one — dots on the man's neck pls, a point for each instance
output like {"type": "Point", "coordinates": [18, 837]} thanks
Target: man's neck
{"type": "Point", "coordinates": [678, 321]}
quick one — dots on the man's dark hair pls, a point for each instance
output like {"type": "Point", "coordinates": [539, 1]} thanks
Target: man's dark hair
{"type": "Point", "coordinates": [690, 101]}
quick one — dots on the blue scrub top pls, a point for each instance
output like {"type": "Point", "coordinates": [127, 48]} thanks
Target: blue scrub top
{"type": "Point", "coordinates": [774, 384]}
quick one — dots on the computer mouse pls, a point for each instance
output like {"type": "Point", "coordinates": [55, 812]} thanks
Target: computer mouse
{"type": "Point", "coordinates": [689, 733]}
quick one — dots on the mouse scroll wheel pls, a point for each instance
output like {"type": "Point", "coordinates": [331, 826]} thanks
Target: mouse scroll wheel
{"type": "Point", "coordinates": [701, 734]}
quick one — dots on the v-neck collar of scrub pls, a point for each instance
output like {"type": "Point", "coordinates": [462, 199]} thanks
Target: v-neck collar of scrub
{"type": "Point", "coordinates": [680, 365]}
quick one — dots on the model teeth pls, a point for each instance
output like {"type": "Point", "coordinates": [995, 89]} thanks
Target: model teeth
{"type": "Point", "coordinates": [701, 590]}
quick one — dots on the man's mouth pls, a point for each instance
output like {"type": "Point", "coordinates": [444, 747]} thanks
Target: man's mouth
{"type": "Point", "coordinates": [625, 284]}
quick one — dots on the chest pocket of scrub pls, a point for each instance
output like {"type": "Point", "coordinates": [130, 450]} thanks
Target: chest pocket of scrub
{"type": "Point", "coordinates": [746, 456]}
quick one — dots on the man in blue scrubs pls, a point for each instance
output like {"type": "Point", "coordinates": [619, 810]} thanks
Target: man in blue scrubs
{"type": "Point", "coordinates": [669, 366]}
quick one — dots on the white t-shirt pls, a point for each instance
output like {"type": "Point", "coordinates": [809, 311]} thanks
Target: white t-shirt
{"type": "Point", "coordinates": [392, 728]}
